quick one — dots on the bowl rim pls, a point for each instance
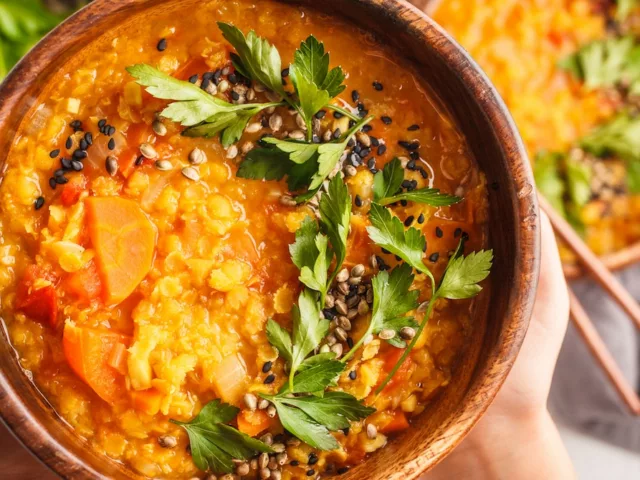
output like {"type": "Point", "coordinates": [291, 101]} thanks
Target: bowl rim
{"type": "Point", "coordinates": [37, 439]}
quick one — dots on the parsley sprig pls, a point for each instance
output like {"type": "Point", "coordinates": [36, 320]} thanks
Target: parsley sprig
{"type": "Point", "coordinates": [214, 445]}
{"type": "Point", "coordinates": [387, 189]}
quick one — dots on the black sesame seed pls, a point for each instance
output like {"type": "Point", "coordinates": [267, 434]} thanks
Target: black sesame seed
{"type": "Point", "coordinates": [342, 470]}
{"type": "Point", "coordinates": [357, 149]}
{"type": "Point", "coordinates": [294, 463]}
{"type": "Point", "coordinates": [111, 144]}
{"type": "Point", "coordinates": [216, 76]}
{"type": "Point", "coordinates": [313, 459]}
{"type": "Point", "coordinates": [59, 172]}
{"type": "Point", "coordinates": [207, 76]}
{"type": "Point", "coordinates": [465, 236]}
{"type": "Point", "coordinates": [367, 129]}
{"type": "Point", "coordinates": [233, 78]}
{"type": "Point", "coordinates": [352, 123]}
{"type": "Point", "coordinates": [358, 201]}
{"type": "Point", "coordinates": [139, 160]}
{"type": "Point", "coordinates": [329, 313]}
{"type": "Point", "coordinates": [345, 431]}
{"type": "Point", "coordinates": [406, 184]}
{"type": "Point", "coordinates": [355, 96]}
{"type": "Point", "coordinates": [285, 72]}
{"type": "Point", "coordinates": [421, 219]}
{"type": "Point", "coordinates": [69, 143]}
{"type": "Point", "coordinates": [378, 86]}
{"type": "Point", "coordinates": [373, 170]}
{"type": "Point", "coordinates": [77, 165]}
{"type": "Point", "coordinates": [162, 45]}
{"type": "Point", "coordinates": [316, 139]}
{"type": "Point", "coordinates": [337, 115]}
{"type": "Point", "coordinates": [61, 180]}
{"type": "Point", "coordinates": [374, 141]}
{"type": "Point", "coordinates": [434, 257]}
{"type": "Point", "coordinates": [54, 153]}
{"type": "Point", "coordinates": [398, 258]}
{"type": "Point", "coordinates": [88, 137]}
{"type": "Point", "coordinates": [205, 83]}
{"type": "Point", "coordinates": [411, 165]}
{"type": "Point", "coordinates": [408, 221]}
{"type": "Point", "coordinates": [267, 366]}
{"type": "Point", "coordinates": [235, 95]}
{"type": "Point", "coordinates": [382, 149]}
{"type": "Point", "coordinates": [270, 379]}
{"type": "Point", "coordinates": [411, 146]}
{"type": "Point", "coordinates": [350, 342]}
{"type": "Point", "coordinates": [112, 130]}
{"type": "Point", "coordinates": [66, 163]}
{"type": "Point", "coordinates": [83, 144]}
{"type": "Point", "coordinates": [404, 203]}
{"type": "Point", "coordinates": [423, 173]}
{"type": "Point", "coordinates": [365, 152]}
{"type": "Point", "coordinates": [386, 120]}
{"type": "Point", "coordinates": [415, 155]}
{"type": "Point", "coordinates": [351, 143]}
{"type": "Point", "coordinates": [457, 232]}
{"type": "Point", "coordinates": [337, 133]}
{"type": "Point", "coordinates": [193, 78]}
{"type": "Point", "coordinates": [39, 203]}
{"type": "Point", "coordinates": [414, 127]}
{"type": "Point", "coordinates": [76, 124]}
{"type": "Point", "coordinates": [311, 472]}
{"type": "Point", "coordinates": [353, 375]}
{"type": "Point", "coordinates": [320, 115]}
{"type": "Point", "coordinates": [385, 251]}
{"type": "Point", "coordinates": [52, 182]}
{"type": "Point", "coordinates": [355, 160]}
{"type": "Point", "coordinates": [439, 232]}
{"type": "Point", "coordinates": [363, 113]}
{"type": "Point", "coordinates": [80, 154]}
{"type": "Point", "coordinates": [371, 163]}
{"type": "Point", "coordinates": [102, 123]}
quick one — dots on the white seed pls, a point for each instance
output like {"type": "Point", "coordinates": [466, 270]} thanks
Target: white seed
{"type": "Point", "coordinates": [373, 261]}
{"type": "Point", "coordinates": [263, 460]}
{"type": "Point", "coordinates": [353, 301]}
{"type": "Point", "coordinates": [263, 403]}
{"type": "Point", "coordinates": [167, 441]}
{"type": "Point", "coordinates": [223, 86]}
{"type": "Point", "coordinates": [363, 307]}
{"type": "Point", "coordinates": [352, 313]}
{"type": "Point", "coordinates": [368, 339]}
{"type": "Point", "coordinates": [191, 173]}
{"type": "Point", "coordinates": [293, 442]}
{"type": "Point", "coordinates": [344, 323]}
{"type": "Point", "coordinates": [300, 122]}
{"type": "Point", "coordinates": [243, 469]}
{"type": "Point", "coordinates": [297, 135]}
{"type": "Point", "coordinates": [267, 438]}
{"type": "Point", "coordinates": [278, 447]}
{"type": "Point", "coordinates": [211, 476]}
{"type": "Point", "coordinates": [325, 349]}
{"type": "Point", "coordinates": [226, 71]}
{"type": "Point", "coordinates": [163, 165]}
{"type": "Point", "coordinates": [407, 333]}
{"type": "Point", "coordinates": [343, 275]}
{"type": "Point", "coordinates": [372, 431]}
{"type": "Point", "coordinates": [364, 139]}
{"type": "Point", "coordinates": [276, 475]}
{"type": "Point", "coordinates": [159, 128]}
{"type": "Point", "coordinates": [275, 122]}
{"type": "Point", "coordinates": [265, 473]}
{"type": "Point", "coordinates": [272, 96]}
{"type": "Point", "coordinates": [232, 152]}
{"type": "Point", "coordinates": [247, 147]}
{"type": "Point", "coordinates": [387, 334]}
{"type": "Point", "coordinates": [358, 270]}
{"type": "Point", "coordinates": [273, 465]}
{"type": "Point", "coordinates": [254, 463]}
{"type": "Point", "coordinates": [329, 301]}
{"type": "Point", "coordinates": [331, 339]}
{"type": "Point", "coordinates": [211, 88]}
{"type": "Point", "coordinates": [317, 125]}
{"type": "Point", "coordinates": [354, 280]}
{"type": "Point", "coordinates": [271, 411]}
{"type": "Point", "coordinates": [343, 288]}
{"type": "Point", "coordinates": [148, 151]}
{"type": "Point", "coordinates": [270, 110]}
{"type": "Point", "coordinates": [327, 136]}
{"type": "Point", "coordinates": [337, 349]}
{"type": "Point", "coordinates": [287, 201]}
{"type": "Point", "coordinates": [350, 171]}
{"type": "Point", "coordinates": [251, 94]}
{"type": "Point", "coordinates": [258, 87]}
{"type": "Point", "coordinates": [253, 127]}
{"type": "Point", "coordinates": [340, 334]}
{"type": "Point", "coordinates": [423, 307]}
{"type": "Point", "coordinates": [282, 458]}
{"type": "Point", "coordinates": [251, 401]}
{"type": "Point", "coordinates": [197, 157]}
{"type": "Point", "coordinates": [341, 307]}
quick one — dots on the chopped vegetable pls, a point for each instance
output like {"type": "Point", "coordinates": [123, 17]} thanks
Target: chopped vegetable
{"type": "Point", "coordinates": [85, 284]}
{"type": "Point", "coordinates": [230, 378]}
{"type": "Point", "coordinates": [253, 422]}
{"type": "Point", "coordinates": [147, 401]}
{"type": "Point", "coordinates": [88, 352]}
{"type": "Point", "coordinates": [72, 190]}
{"type": "Point", "coordinates": [124, 240]}
{"type": "Point", "coordinates": [398, 423]}
{"type": "Point", "coordinates": [36, 296]}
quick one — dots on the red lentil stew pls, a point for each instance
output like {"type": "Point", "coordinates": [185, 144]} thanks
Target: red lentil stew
{"type": "Point", "coordinates": [215, 265]}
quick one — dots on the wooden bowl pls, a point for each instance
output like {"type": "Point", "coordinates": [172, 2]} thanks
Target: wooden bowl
{"type": "Point", "coordinates": [500, 319]}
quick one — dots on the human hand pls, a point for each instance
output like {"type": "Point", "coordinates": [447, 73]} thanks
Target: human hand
{"type": "Point", "coordinates": [517, 439]}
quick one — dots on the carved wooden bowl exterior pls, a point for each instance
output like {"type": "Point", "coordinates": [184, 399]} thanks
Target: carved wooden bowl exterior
{"type": "Point", "coordinates": [502, 313]}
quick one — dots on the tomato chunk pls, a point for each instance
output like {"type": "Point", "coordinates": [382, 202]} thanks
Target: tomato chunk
{"type": "Point", "coordinates": [72, 190]}
{"type": "Point", "coordinates": [89, 351]}
{"type": "Point", "coordinates": [85, 284]}
{"type": "Point", "coordinates": [36, 296]}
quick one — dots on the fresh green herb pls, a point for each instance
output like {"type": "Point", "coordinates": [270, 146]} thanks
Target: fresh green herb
{"type": "Point", "coordinates": [460, 280]}
{"type": "Point", "coordinates": [389, 233]}
{"type": "Point", "coordinates": [386, 189]}
{"type": "Point", "coordinates": [392, 299]}
{"type": "Point", "coordinates": [265, 164]}
{"type": "Point", "coordinates": [547, 168]}
{"type": "Point", "coordinates": [22, 24]}
{"type": "Point", "coordinates": [193, 106]}
{"type": "Point", "coordinates": [335, 217]}
{"type": "Point", "coordinates": [578, 183]}
{"type": "Point", "coordinates": [315, 85]}
{"type": "Point", "coordinates": [256, 58]}
{"type": "Point", "coordinates": [214, 445]}
{"type": "Point", "coordinates": [624, 8]}
{"type": "Point", "coordinates": [315, 377]}
{"type": "Point", "coordinates": [310, 253]}
{"type": "Point", "coordinates": [606, 63]}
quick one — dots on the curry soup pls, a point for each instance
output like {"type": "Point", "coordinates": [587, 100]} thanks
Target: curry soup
{"type": "Point", "coordinates": [220, 249]}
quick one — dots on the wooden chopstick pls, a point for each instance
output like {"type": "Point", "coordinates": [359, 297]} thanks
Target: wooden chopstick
{"type": "Point", "coordinates": [602, 355]}
{"type": "Point", "coordinates": [580, 318]}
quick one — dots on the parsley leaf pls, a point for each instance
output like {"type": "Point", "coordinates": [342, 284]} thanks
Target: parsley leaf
{"type": "Point", "coordinates": [280, 338]}
{"type": "Point", "coordinates": [463, 275]}
{"type": "Point", "coordinates": [257, 58]}
{"type": "Point", "coordinates": [388, 232]}
{"type": "Point", "coordinates": [315, 378]}
{"type": "Point", "coordinates": [387, 183]}
{"type": "Point", "coordinates": [319, 358]}
{"type": "Point", "coordinates": [391, 300]}
{"type": "Point", "coordinates": [546, 171]}
{"type": "Point", "coordinates": [313, 82]}
{"type": "Point", "coordinates": [335, 216]}
{"type": "Point", "coordinates": [620, 136]}
{"type": "Point", "coordinates": [299, 152]}
{"type": "Point", "coordinates": [214, 445]}
{"type": "Point", "coordinates": [311, 255]}
{"type": "Point", "coordinates": [304, 427]}
{"type": "Point", "coordinates": [264, 164]}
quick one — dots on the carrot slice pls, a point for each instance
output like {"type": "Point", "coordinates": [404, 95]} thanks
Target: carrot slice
{"type": "Point", "coordinates": [253, 422]}
{"type": "Point", "coordinates": [36, 296]}
{"type": "Point", "coordinates": [124, 240]}
{"type": "Point", "coordinates": [398, 422]}
{"type": "Point", "coordinates": [88, 351]}
{"type": "Point", "coordinates": [147, 401]}
{"type": "Point", "coordinates": [72, 190]}
{"type": "Point", "coordinates": [85, 284]}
